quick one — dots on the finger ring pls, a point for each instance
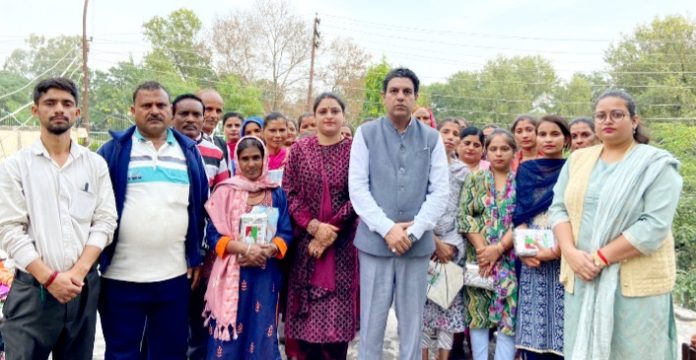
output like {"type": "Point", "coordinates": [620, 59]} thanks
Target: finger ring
{"type": "Point", "coordinates": [393, 250]}
{"type": "Point", "coordinates": [315, 253]}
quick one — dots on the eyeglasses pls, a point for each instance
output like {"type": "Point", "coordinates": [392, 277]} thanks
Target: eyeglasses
{"type": "Point", "coordinates": [615, 115]}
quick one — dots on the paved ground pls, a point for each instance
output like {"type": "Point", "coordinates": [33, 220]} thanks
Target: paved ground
{"type": "Point", "coordinates": [686, 326]}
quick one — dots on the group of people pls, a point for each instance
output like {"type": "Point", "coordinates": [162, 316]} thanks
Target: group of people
{"type": "Point", "coordinates": [194, 245]}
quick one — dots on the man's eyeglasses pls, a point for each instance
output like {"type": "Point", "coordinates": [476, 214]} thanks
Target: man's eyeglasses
{"type": "Point", "coordinates": [615, 115]}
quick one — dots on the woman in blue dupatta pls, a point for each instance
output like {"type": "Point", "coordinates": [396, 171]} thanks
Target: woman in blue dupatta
{"type": "Point", "coordinates": [612, 214]}
{"type": "Point", "coordinates": [539, 332]}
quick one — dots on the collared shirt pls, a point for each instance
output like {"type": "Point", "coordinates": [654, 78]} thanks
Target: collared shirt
{"type": "Point", "coordinates": [214, 161]}
{"type": "Point", "coordinates": [366, 206]}
{"type": "Point", "coordinates": [154, 221]}
{"type": "Point", "coordinates": [50, 212]}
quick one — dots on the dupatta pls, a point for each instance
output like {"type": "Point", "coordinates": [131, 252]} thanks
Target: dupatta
{"type": "Point", "coordinates": [622, 192]}
{"type": "Point", "coordinates": [535, 180]}
{"type": "Point", "coordinates": [225, 207]}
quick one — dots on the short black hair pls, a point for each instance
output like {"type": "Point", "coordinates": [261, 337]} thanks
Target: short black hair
{"type": "Point", "coordinates": [401, 73]}
{"type": "Point", "coordinates": [149, 86]}
{"type": "Point", "coordinates": [231, 114]}
{"type": "Point", "coordinates": [183, 97]}
{"type": "Point", "coordinates": [58, 83]}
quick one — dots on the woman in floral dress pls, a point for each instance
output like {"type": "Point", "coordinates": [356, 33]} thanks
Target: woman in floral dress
{"type": "Point", "coordinates": [486, 207]}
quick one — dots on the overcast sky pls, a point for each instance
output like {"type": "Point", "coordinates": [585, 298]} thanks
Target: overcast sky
{"type": "Point", "coordinates": [434, 38]}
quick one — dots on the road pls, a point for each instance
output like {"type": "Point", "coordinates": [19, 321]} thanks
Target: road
{"type": "Point", "coordinates": [686, 326]}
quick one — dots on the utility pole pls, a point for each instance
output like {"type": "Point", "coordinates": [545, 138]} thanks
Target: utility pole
{"type": "Point", "coordinates": [315, 46]}
{"type": "Point", "coordinates": [85, 75]}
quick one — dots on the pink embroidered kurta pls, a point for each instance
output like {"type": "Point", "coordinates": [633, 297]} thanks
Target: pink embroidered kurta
{"type": "Point", "coordinates": [322, 304]}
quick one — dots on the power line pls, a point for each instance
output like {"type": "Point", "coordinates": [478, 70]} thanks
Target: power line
{"type": "Point", "coordinates": [12, 114]}
{"type": "Point", "coordinates": [478, 80]}
{"type": "Point", "coordinates": [38, 76]}
{"type": "Point", "coordinates": [394, 27]}
{"type": "Point", "coordinates": [435, 95]}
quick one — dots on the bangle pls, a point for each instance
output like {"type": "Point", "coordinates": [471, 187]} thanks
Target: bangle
{"type": "Point", "coordinates": [598, 261]}
{"type": "Point", "coordinates": [247, 250]}
{"type": "Point", "coordinates": [50, 280]}
{"type": "Point", "coordinates": [601, 257]}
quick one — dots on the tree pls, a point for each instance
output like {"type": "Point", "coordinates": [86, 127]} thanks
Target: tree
{"type": "Point", "coordinates": [58, 53]}
{"type": "Point", "coordinates": [344, 73]}
{"type": "Point", "coordinates": [374, 77]}
{"type": "Point", "coordinates": [269, 42]}
{"type": "Point", "coordinates": [44, 57]}
{"type": "Point", "coordinates": [177, 47]}
{"type": "Point", "coordinates": [504, 88]}
{"type": "Point", "coordinates": [680, 140]}
{"type": "Point", "coordinates": [9, 83]}
{"type": "Point", "coordinates": [239, 97]}
{"type": "Point", "coordinates": [656, 64]}
{"type": "Point", "coordinates": [574, 98]}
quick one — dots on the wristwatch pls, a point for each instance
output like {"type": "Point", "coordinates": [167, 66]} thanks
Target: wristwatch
{"type": "Point", "coordinates": [411, 237]}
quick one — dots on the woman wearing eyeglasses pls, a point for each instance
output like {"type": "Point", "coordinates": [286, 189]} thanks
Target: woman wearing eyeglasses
{"type": "Point", "coordinates": [612, 215]}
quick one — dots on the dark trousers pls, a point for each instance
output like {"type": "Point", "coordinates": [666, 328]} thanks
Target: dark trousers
{"type": "Point", "coordinates": [36, 324]}
{"type": "Point", "coordinates": [303, 350]}
{"type": "Point", "coordinates": [198, 334]}
{"type": "Point", "coordinates": [125, 307]}
{"type": "Point", "coordinates": [530, 355]}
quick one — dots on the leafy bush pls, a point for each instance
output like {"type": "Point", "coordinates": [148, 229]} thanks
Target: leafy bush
{"type": "Point", "coordinates": [680, 140]}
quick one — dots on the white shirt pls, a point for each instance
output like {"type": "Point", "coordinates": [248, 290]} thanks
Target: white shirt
{"type": "Point", "coordinates": [365, 205]}
{"type": "Point", "coordinates": [50, 212]}
{"type": "Point", "coordinates": [154, 222]}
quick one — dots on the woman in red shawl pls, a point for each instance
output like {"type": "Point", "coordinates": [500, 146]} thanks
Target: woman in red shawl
{"type": "Point", "coordinates": [322, 309]}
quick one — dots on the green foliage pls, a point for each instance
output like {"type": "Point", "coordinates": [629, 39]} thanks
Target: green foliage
{"type": "Point", "coordinates": [43, 53]}
{"type": "Point", "coordinates": [372, 107]}
{"type": "Point", "coordinates": [656, 65]}
{"type": "Point", "coordinates": [238, 97]}
{"type": "Point", "coordinates": [177, 48]}
{"type": "Point", "coordinates": [571, 98]}
{"type": "Point", "coordinates": [503, 89]}
{"type": "Point", "coordinates": [10, 82]}
{"type": "Point", "coordinates": [680, 140]}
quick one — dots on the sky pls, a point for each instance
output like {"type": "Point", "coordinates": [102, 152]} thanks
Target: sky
{"type": "Point", "coordinates": [434, 38]}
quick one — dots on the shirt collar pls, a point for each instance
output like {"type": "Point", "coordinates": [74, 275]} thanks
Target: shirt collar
{"type": "Point", "coordinates": [38, 148]}
{"type": "Point", "coordinates": [410, 124]}
{"type": "Point", "coordinates": [170, 136]}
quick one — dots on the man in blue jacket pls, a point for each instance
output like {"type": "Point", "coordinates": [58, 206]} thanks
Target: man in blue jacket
{"type": "Point", "coordinates": [160, 188]}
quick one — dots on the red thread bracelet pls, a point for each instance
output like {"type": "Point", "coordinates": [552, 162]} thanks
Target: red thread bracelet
{"type": "Point", "coordinates": [51, 279]}
{"type": "Point", "coordinates": [601, 256]}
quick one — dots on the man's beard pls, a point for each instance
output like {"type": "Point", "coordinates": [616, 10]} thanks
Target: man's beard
{"type": "Point", "coordinates": [58, 129]}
